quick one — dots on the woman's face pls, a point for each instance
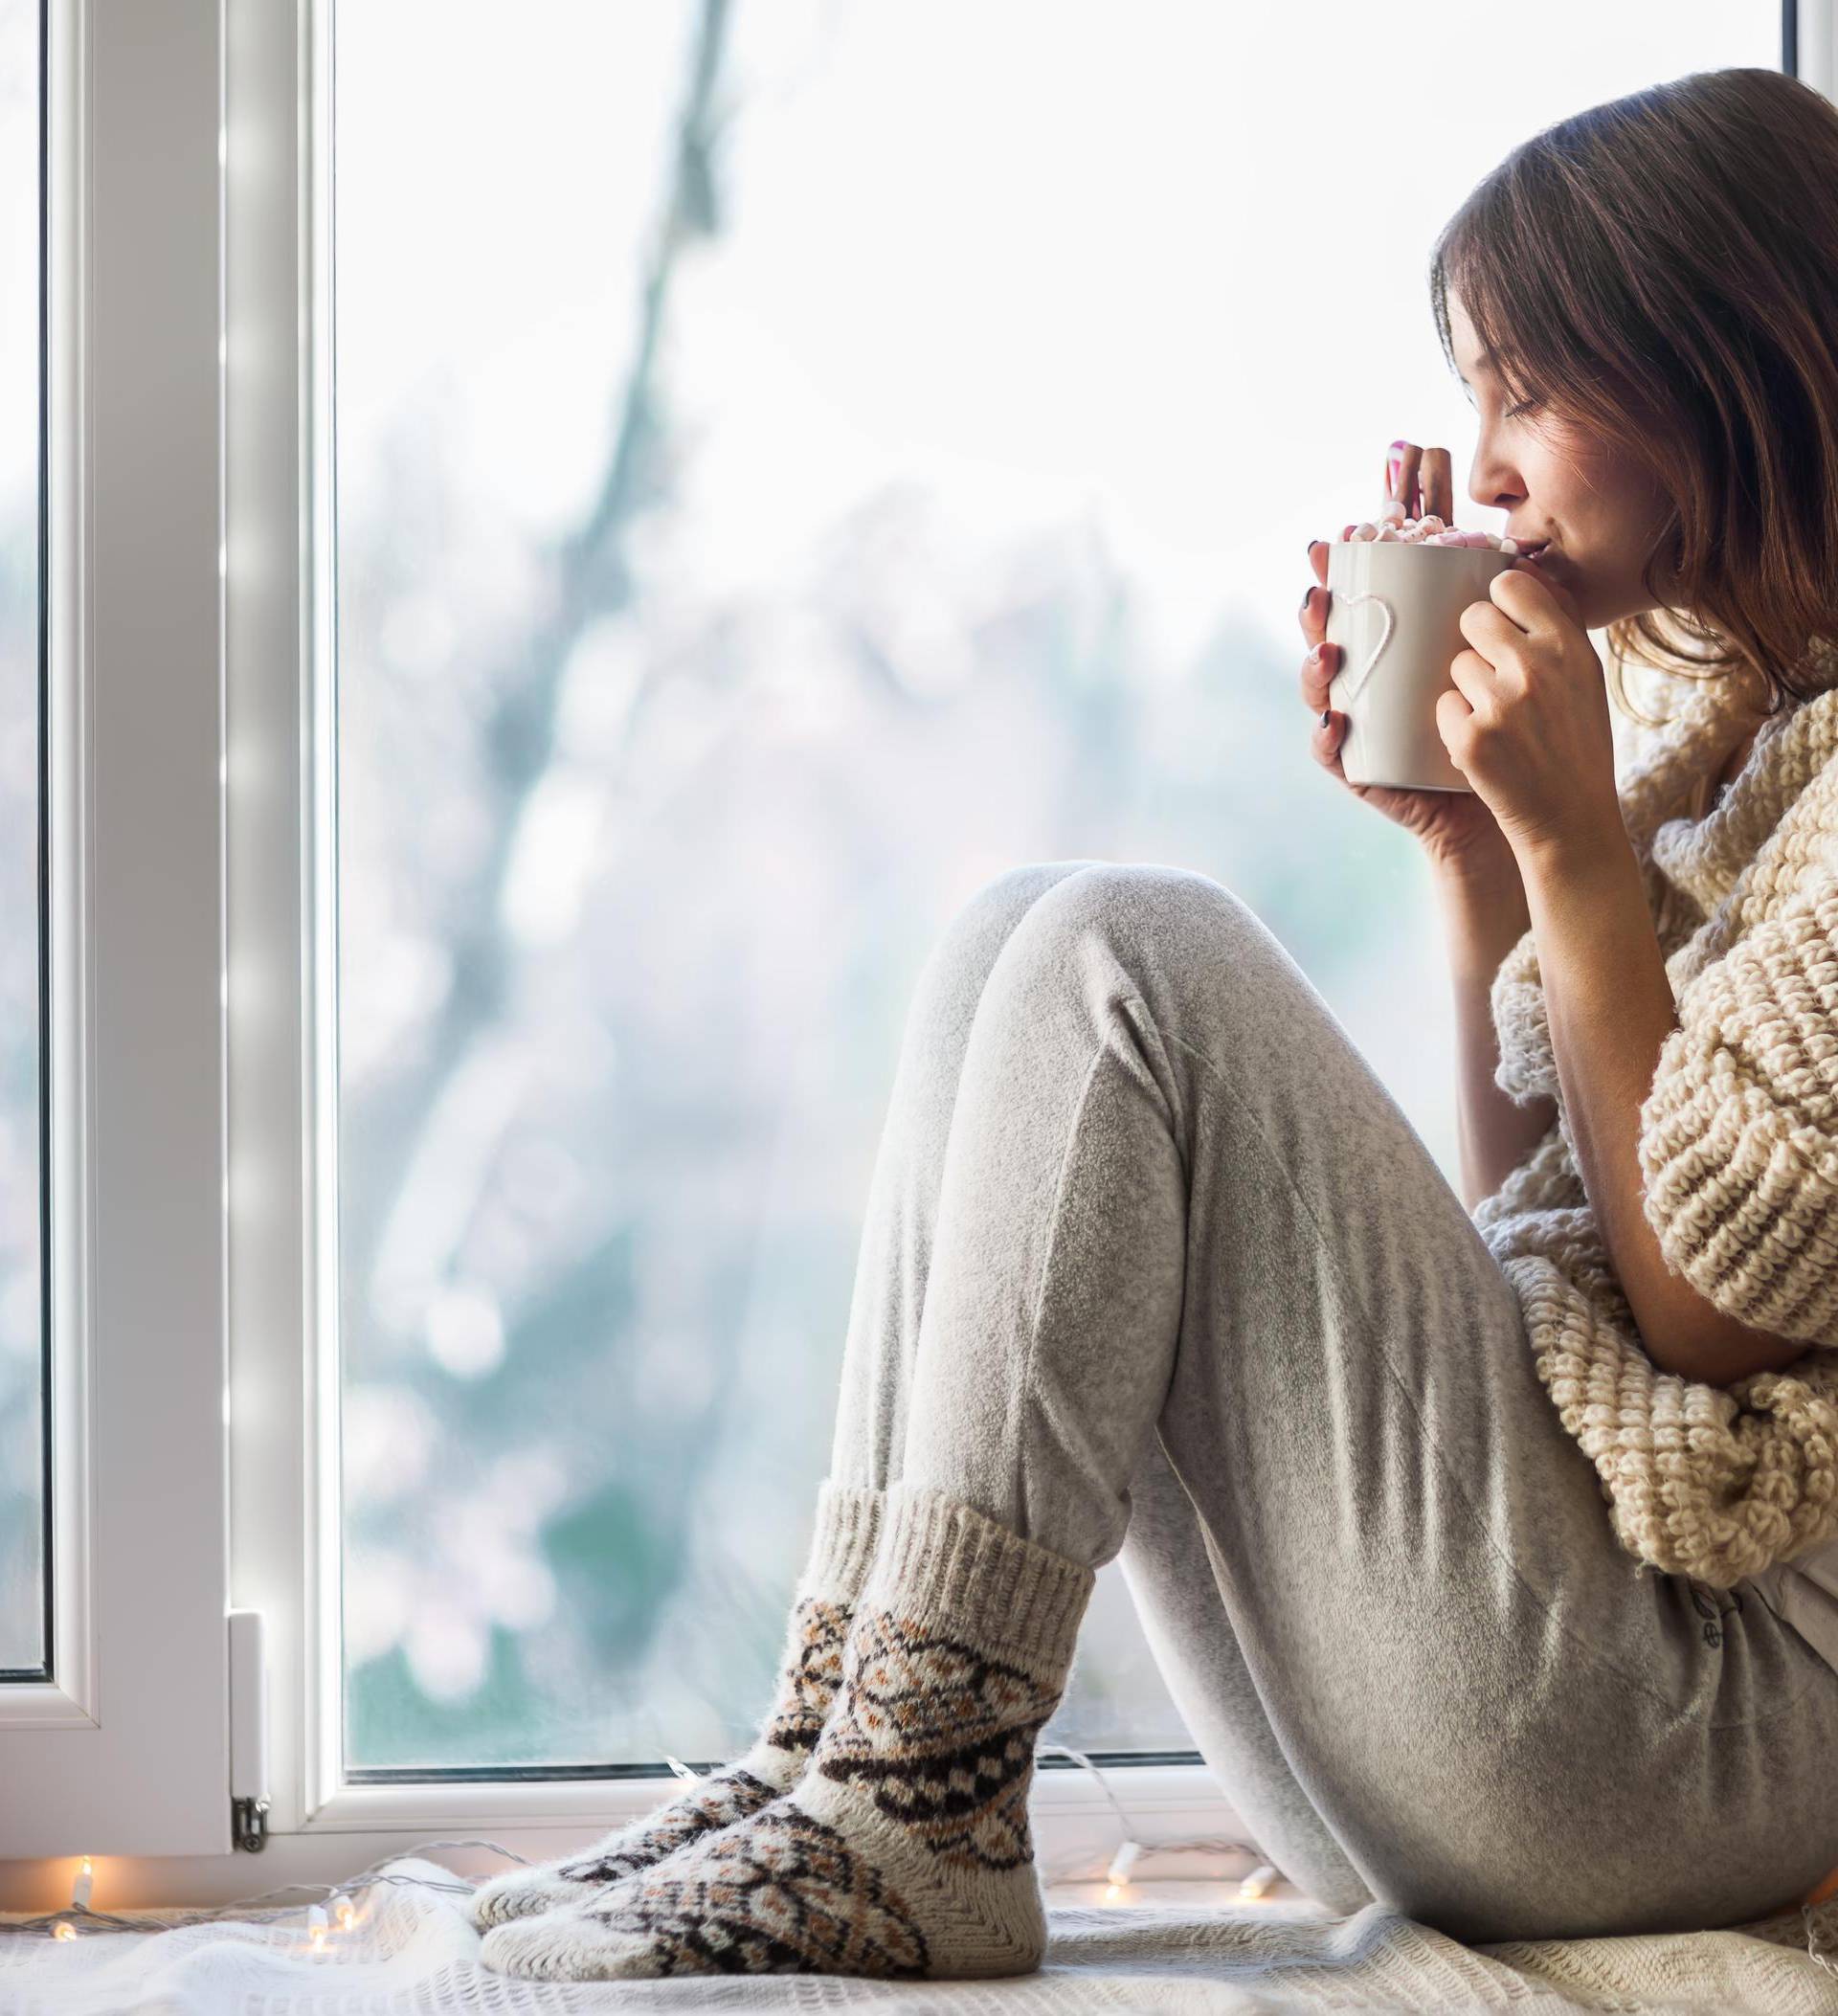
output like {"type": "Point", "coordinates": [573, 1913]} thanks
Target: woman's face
{"type": "Point", "coordinates": [1601, 514]}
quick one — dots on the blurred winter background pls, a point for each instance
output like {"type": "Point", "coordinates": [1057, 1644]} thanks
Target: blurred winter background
{"type": "Point", "coordinates": [791, 464]}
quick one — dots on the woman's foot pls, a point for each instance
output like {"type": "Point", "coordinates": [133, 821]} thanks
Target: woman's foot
{"type": "Point", "coordinates": [904, 1853]}
{"type": "Point", "coordinates": [718, 1800]}
{"type": "Point", "coordinates": [842, 1551]}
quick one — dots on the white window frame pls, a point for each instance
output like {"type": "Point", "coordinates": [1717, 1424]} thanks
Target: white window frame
{"type": "Point", "coordinates": [283, 1258]}
{"type": "Point", "coordinates": [127, 1743]}
{"type": "Point", "coordinates": [231, 973]}
{"type": "Point", "coordinates": [281, 1015]}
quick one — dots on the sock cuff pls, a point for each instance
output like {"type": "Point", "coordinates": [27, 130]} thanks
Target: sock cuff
{"type": "Point", "coordinates": [950, 1563]}
{"type": "Point", "coordinates": [850, 1518]}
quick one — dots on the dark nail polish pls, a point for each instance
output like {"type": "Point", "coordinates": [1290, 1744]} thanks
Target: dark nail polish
{"type": "Point", "coordinates": [1327, 717]}
{"type": "Point", "coordinates": [1305, 601]}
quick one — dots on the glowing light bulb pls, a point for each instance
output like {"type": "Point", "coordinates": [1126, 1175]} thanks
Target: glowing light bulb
{"type": "Point", "coordinates": [1128, 1855]}
{"type": "Point", "coordinates": [316, 1928]}
{"type": "Point", "coordinates": [64, 1930]}
{"type": "Point", "coordinates": [344, 1914]}
{"type": "Point", "coordinates": [85, 1878]}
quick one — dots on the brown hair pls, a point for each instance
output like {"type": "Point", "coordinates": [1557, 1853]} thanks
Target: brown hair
{"type": "Point", "coordinates": [1663, 269]}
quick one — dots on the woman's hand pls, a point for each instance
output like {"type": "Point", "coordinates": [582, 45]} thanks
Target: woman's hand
{"type": "Point", "coordinates": [1458, 828]}
{"type": "Point", "coordinates": [1527, 722]}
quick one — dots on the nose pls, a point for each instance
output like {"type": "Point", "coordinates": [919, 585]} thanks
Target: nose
{"type": "Point", "coordinates": [1490, 482]}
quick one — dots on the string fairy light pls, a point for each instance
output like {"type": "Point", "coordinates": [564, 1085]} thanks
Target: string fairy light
{"type": "Point", "coordinates": [336, 1910]}
{"type": "Point", "coordinates": [1131, 1849]}
{"type": "Point", "coordinates": [337, 1897]}
{"type": "Point", "coordinates": [1118, 1873]}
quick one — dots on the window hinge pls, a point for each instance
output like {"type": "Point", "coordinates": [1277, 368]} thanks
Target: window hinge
{"type": "Point", "coordinates": [248, 1733]}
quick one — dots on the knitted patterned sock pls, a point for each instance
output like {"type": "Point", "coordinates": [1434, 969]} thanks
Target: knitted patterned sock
{"type": "Point", "coordinates": [904, 1852]}
{"type": "Point", "coordinates": [849, 1522]}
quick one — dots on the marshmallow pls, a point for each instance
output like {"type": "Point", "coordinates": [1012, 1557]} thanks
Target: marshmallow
{"type": "Point", "coordinates": [1390, 525]}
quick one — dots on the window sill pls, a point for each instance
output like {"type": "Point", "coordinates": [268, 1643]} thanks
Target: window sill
{"type": "Point", "coordinates": [1077, 1833]}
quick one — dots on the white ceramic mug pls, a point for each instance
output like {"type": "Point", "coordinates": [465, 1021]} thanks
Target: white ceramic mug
{"type": "Point", "coordinates": [1393, 608]}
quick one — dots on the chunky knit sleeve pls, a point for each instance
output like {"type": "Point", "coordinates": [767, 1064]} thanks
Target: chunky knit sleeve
{"type": "Point", "coordinates": [1738, 1135]}
{"type": "Point", "coordinates": [1528, 1069]}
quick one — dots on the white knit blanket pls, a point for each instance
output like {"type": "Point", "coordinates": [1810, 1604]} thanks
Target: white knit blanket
{"type": "Point", "coordinates": [413, 1949]}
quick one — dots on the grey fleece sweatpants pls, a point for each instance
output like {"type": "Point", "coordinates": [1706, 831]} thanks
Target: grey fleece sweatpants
{"type": "Point", "coordinates": [1154, 1265]}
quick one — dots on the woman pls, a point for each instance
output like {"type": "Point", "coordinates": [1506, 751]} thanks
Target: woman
{"type": "Point", "coordinates": [1154, 1266]}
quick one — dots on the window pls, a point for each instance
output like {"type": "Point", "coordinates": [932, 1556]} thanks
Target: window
{"type": "Point", "coordinates": [760, 519]}
{"type": "Point", "coordinates": [588, 544]}
{"type": "Point", "coordinates": [653, 776]}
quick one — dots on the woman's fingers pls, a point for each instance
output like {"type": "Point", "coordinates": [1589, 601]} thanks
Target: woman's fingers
{"type": "Point", "coordinates": [1324, 738]}
{"type": "Point", "coordinates": [1436, 476]}
{"type": "Point", "coordinates": [1404, 487]}
{"type": "Point", "coordinates": [1317, 676]}
{"type": "Point", "coordinates": [1424, 482]}
{"type": "Point", "coordinates": [1323, 658]}
{"type": "Point", "coordinates": [1312, 616]}
{"type": "Point", "coordinates": [1317, 668]}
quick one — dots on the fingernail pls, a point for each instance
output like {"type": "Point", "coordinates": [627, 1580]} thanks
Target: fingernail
{"type": "Point", "coordinates": [1312, 543]}
{"type": "Point", "coordinates": [1314, 655]}
{"type": "Point", "coordinates": [1327, 716]}
{"type": "Point", "coordinates": [1305, 601]}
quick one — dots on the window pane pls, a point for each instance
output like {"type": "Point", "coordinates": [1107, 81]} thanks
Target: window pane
{"type": "Point", "coordinates": [23, 1477]}
{"type": "Point", "coordinates": [719, 606]}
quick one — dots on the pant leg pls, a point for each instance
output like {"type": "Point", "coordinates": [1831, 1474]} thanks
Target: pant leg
{"type": "Point", "coordinates": [895, 1252]}
{"type": "Point", "coordinates": [1180, 1209]}
{"type": "Point", "coordinates": [1168, 1565]}
{"type": "Point", "coordinates": [1166, 1552]}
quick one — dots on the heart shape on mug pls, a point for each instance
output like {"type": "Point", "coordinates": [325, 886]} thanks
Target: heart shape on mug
{"type": "Point", "coordinates": [1350, 692]}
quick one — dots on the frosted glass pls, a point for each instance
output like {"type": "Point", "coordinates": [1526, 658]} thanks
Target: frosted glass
{"type": "Point", "coordinates": [721, 605]}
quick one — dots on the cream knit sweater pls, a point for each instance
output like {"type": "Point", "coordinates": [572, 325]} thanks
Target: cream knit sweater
{"type": "Point", "coordinates": [1739, 1150]}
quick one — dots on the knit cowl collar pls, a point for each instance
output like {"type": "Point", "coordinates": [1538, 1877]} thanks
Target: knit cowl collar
{"type": "Point", "coordinates": [1702, 851]}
